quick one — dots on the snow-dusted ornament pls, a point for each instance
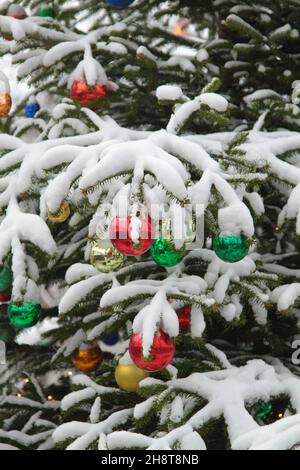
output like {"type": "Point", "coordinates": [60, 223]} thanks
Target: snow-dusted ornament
{"type": "Point", "coordinates": [129, 376]}
{"type": "Point", "coordinates": [132, 235]}
{"type": "Point", "coordinates": [231, 248]}
{"type": "Point", "coordinates": [23, 315]}
{"type": "Point", "coordinates": [31, 107]}
{"type": "Point", "coordinates": [88, 83]}
{"type": "Point", "coordinates": [5, 97]}
{"type": "Point", "coordinates": [16, 11]}
{"type": "Point", "coordinates": [119, 3]}
{"type": "Point", "coordinates": [161, 353]}
{"type": "Point", "coordinates": [61, 215]}
{"type": "Point", "coordinates": [87, 357]}
{"type": "Point", "coordinates": [89, 96]}
{"type": "Point", "coordinates": [105, 258]}
{"type": "Point", "coordinates": [169, 249]}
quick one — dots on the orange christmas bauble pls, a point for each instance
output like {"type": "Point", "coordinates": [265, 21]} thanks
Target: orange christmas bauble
{"type": "Point", "coordinates": [87, 358]}
{"type": "Point", "coordinates": [5, 104]}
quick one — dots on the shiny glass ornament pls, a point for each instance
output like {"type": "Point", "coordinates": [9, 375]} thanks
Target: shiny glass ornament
{"type": "Point", "coordinates": [263, 409]}
{"type": "Point", "coordinates": [5, 296]}
{"type": "Point", "coordinates": [164, 253]}
{"type": "Point", "coordinates": [6, 278]}
{"type": "Point", "coordinates": [119, 3]}
{"type": "Point", "coordinates": [62, 214]}
{"type": "Point", "coordinates": [161, 354]}
{"type": "Point", "coordinates": [47, 11]}
{"type": "Point", "coordinates": [31, 108]}
{"type": "Point", "coordinates": [87, 358]}
{"type": "Point", "coordinates": [231, 249]}
{"type": "Point", "coordinates": [111, 340]}
{"type": "Point", "coordinates": [5, 104]}
{"type": "Point", "coordinates": [23, 315]}
{"type": "Point", "coordinates": [105, 258]}
{"type": "Point", "coordinates": [128, 377]}
{"type": "Point", "coordinates": [7, 333]}
{"type": "Point", "coordinates": [87, 95]}
{"type": "Point", "coordinates": [184, 319]}
{"type": "Point", "coordinates": [121, 230]}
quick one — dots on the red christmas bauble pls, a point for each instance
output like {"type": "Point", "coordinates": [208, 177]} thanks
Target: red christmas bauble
{"type": "Point", "coordinates": [87, 95]}
{"type": "Point", "coordinates": [5, 296]}
{"type": "Point", "coordinates": [17, 12]}
{"type": "Point", "coordinates": [161, 354]}
{"type": "Point", "coordinates": [184, 319]}
{"type": "Point", "coordinates": [121, 231]}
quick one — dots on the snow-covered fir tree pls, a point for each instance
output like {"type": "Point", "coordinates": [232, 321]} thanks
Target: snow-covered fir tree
{"type": "Point", "coordinates": [175, 104]}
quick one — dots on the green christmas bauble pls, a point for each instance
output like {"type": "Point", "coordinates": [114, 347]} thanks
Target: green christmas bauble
{"type": "Point", "coordinates": [263, 409]}
{"type": "Point", "coordinates": [105, 258]}
{"type": "Point", "coordinates": [231, 248]}
{"type": "Point", "coordinates": [7, 333]}
{"type": "Point", "coordinates": [164, 253]}
{"type": "Point", "coordinates": [47, 11]}
{"type": "Point", "coordinates": [23, 315]}
{"type": "Point", "coordinates": [6, 278]}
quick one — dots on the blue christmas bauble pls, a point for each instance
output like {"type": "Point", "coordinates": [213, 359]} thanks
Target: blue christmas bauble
{"type": "Point", "coordinates": [119, 3]}
{"type": "Point", "coordinates": [111, 340]}
{"type": "Point", "coordinates": [31, 109]}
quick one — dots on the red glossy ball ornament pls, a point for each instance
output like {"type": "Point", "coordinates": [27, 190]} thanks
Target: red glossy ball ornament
{"type": "Point", "coordinates": [121, 235]}
{"type": "Point", "coordinates": [161, 354]}
{"type": "Point", "coordinates": [5, 296]}
{"type": "Point", "coordinates": [87, 95]}
{"type": "Point", "coordinates": [184, 319]}
{"type": "Point", "coordinates": [17, 12]}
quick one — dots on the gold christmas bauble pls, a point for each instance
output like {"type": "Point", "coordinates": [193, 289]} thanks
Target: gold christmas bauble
{"type": "Point", "coordinates": [5, 104]}
{"type": "Point", "coordinates": [61, 215]}
{"type": "Point", "coordinates": [87, 358]}
{"type": "Point", "coordinates": [105, 257]}
{"type": "Point", "coordinates": [128, 377]}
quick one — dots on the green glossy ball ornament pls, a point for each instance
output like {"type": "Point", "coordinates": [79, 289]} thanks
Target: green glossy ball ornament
{"type": "Point", "coordinates": [164, 253]}
{"type": "Point", "coordinates": [105, 258]}
{"type": "Point", "coordinates": [230, 248]}
{"type": "Point", "coordinates": [263, 409]}
{"type": "Point", "coordinates": [7, 333]}
{"type": "Point", "coordinates": [6, 278]}
{"type": "Point", "coordinates": [23, 315]}
{"type": "Point", "coordinates": [47, 11]}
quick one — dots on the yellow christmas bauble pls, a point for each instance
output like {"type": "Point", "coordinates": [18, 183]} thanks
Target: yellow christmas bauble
{"type": "Point", "coordinates": [129, 376]}
{"type": "Point", "coordinates": [105, 257]}
{"type": "Point", "coordinates": [61, 215]}
{"type": "Point", "coordinates": [5, 104]}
